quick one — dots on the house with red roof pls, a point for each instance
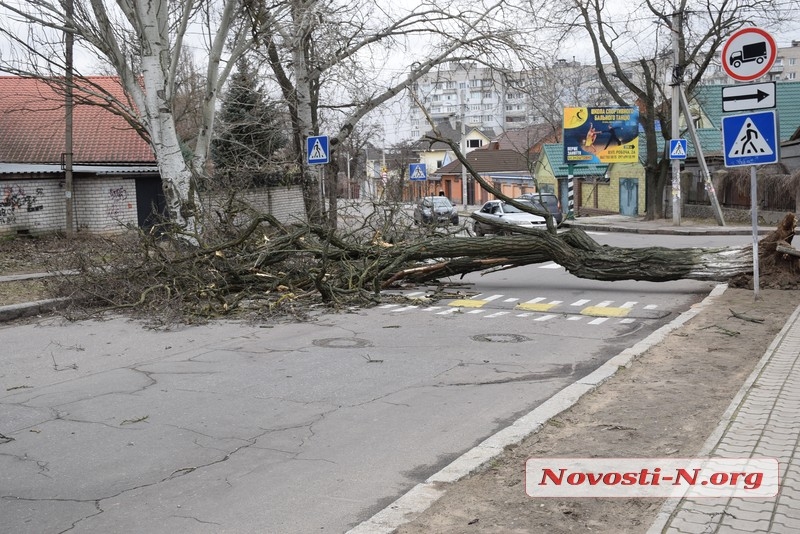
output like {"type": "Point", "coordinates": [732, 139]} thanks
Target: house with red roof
{"type": "Point", "coordinates": [116, 182]}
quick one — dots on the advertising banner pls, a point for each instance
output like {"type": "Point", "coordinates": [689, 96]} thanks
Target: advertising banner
{"type": "Point", "coordinates": [601, 135]}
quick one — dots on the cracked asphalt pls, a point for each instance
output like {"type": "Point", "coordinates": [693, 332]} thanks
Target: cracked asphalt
{"type": "Point", "coordinates": [110, 427]}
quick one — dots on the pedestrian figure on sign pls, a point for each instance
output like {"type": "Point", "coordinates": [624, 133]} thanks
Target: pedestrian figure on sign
{"type": "Point", "coordinates": [750, 134]}
{"type": "Point", "coordinates": [612, 136]}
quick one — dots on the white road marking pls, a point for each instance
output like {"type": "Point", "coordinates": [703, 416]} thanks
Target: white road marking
{"type": "Point", "coordinates": [511, 300]}
{"type": "Point", "coordinates": [579, 302]}
{"type": "Point", "coordinates": [651, 307]}
{"type": "Point", "coordinates": [404, 309]}
{"type": "Point", "coordinates": [627, 321]}
{"type": "Point", "coordinates": [475, 312]}
{"type": "Point", "coordinates": [448, 312]}
{"type": "Point", "coordinates": [629, 304]}
{"type": "Point", "coordinates": [604, 304]}
{"type": "Point", "coordinates": [498, 314]}
{"type": "Point", "coordinates": [599, 320]}
{"type": "Point", "coordinates": [575, 318]}
{"type": "Point", "coordinates": [493, 297]}
{"type": "Point", "coordinates": [545, 317]}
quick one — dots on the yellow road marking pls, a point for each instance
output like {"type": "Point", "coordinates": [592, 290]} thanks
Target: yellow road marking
{"type": "Point", "coordinates": [605, 311]}
{"type": "Point", "coordinates": [468, 303]}
{"type": "Point", "coordinates": [535, 306]}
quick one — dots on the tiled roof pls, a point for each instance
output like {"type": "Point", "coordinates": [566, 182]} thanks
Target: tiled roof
{"type": "Point", "coordinates": [555, 156]}
{"type": "Point", "coordinates": [32, 128]}
{"type": "Point", "coordinates": [489, 161]}
{"type": "Point", "coordinates": [522, 139]}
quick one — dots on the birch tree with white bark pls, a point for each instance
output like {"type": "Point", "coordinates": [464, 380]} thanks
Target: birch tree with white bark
{"type": "Point", "coordinates": [143, 43]}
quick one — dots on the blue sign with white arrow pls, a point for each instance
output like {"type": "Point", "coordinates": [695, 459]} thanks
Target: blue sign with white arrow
{"type": "Point", "coordinates": [750, 139]}
{"type": "Point", "coordinates": [317, 152]}
{"type": "Point", "coordinates": [417, 172]}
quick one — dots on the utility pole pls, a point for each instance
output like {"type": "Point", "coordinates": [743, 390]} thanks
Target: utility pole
{"type": "Point", "coordinates": [677, 78]}
{"type": "Point", "coordinates": [68, 104]}
{"type": "Point", "coordinates": [463, 146]}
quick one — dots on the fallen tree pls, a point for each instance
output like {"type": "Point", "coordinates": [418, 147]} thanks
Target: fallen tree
{"type": "Point", "coordinates": [271, 268]}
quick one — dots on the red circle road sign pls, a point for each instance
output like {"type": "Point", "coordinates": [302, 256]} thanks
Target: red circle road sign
{"type": "Point", "coordinates": [748, 54]}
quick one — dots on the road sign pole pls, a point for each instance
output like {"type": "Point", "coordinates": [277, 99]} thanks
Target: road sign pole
{"type": "Point", "coordinates": [754, 218]}
{"type": "Point", "coordinates": [710, 191]}
{"type": "Point", "coordinates": [677, 75]}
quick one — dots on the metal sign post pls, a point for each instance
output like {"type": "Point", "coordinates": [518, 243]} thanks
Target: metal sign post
{"type": "Point", "coordinates": [751, 139]}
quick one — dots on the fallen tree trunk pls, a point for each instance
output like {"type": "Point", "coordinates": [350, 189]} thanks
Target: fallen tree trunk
{"type": "Point", "coordinates": [280, 269]}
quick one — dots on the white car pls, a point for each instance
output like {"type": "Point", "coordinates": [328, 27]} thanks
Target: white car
{"type": "Point", "coordinates": [507, 217]}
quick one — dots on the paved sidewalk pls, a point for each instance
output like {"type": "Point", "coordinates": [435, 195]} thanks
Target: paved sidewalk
{"type": "Point", "coordinates": [762, 422]}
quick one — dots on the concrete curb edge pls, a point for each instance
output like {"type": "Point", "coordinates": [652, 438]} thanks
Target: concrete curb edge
{"type": "Point", "coordinates": [419, 498]}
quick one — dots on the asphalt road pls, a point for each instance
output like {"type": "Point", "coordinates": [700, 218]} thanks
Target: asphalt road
{"type": "Point", "coordinates": [295, 428]}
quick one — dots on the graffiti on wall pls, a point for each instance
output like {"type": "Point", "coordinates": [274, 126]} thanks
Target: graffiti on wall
{"type": "Point", "coordinates": [15, 199]}
{"type": "Point", "coordinates": [116, 206]}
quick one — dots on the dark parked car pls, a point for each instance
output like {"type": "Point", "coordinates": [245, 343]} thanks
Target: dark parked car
{"type": "Point", "coordinates": [550, 201]}
{"type": "Point", "coordinates": [435, 210]}
{"type": "Point", "coordinates": [507, 216]}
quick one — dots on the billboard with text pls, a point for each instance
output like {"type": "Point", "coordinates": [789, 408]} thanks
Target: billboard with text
{"type": "Point", "coordinates": [601, 135]}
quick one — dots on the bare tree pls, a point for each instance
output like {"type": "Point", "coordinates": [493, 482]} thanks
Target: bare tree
{"type": "Point", "coordinates": [327, 57]}
{"type": "Point", "coordinates": [633, 58]}
{"type": "Point", "coordinates": [144, 43]}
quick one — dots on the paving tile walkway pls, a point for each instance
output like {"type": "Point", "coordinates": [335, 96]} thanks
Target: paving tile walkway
{"type": "Point", "coordinates": [762, 422]}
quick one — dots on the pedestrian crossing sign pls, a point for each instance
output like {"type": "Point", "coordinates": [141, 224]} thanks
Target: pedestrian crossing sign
{"type": "Point", "coordinates": [317, 152]}
{"type": "Point", "coordinates": [417, 172]}
{"type": "Point", "coordinates": [750, 139]}
{"type": "Point", "coordinates": [677, 149]}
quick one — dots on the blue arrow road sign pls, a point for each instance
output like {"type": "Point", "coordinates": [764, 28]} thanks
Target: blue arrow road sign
{"type": "Point", "coordinates": [417, 171]}
{"type": "Point", "coordinates": [750, 139]}
{"type": "Point", "coordinates": [677, 149]}
{"type": "Point", "coordinates": [317, 152]}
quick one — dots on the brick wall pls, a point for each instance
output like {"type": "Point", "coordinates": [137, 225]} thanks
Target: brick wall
{"type": "Point", "coordinates": [107, 205]}
{"type": "Point", "coordinates": [284, 203]}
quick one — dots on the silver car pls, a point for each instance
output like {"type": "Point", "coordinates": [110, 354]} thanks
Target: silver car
{"type": "Point", "coordinates": [507, 216]}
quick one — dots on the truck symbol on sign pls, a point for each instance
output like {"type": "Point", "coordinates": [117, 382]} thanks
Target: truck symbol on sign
{"type": "Point", "coordinates": [750, 52]}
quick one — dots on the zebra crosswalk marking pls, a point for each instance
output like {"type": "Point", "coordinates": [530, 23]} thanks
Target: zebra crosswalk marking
{"type": "Point", "coordinates": [605, 311]}
{"type": "Point", "coordinates": [599, 320]}
{"type": "Point", "coordinates": [546, 317]}
{"type": "Point", "coordinates": [537, 305]}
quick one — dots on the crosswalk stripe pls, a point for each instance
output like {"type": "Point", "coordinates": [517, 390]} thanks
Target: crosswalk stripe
{"type": "Point", "coordinates": [431, 308]}
{"type": "Point", "coordinates": [604, 304]}
{"type": "Point", "coordinates": [580, 302]}
{"type": "Point", "coordinates": [493, 297]}
{"type": "Point", "coordinates": [498, 314]}
{"type": "Point", "coordinates": [651, 307]}
{"type": "Point", "coordinates": [629, 304]}
{"type": "Point", "coordinates": [447, 312]}
{"type": "Point", "coordinates": [575, 318]}
{"type": "Point", "coordinates": [467, 303]}
{"type": "Point", "coordinates": [605, 311]}
{"type": "Point", "coordinates": [599, 320]}
{"type": "Point", "coordinates": [511, 300]}
{"type": "Point", "coordinates": [404, 309]}
{"type": "Point", "coordinates": [627, 321]}
{"type": "Point", "coordinates": [545, 317]}
{"type": "Point", "coordinates": [476, 311]}
{"type": "Point", "coordinates": [537, 305]}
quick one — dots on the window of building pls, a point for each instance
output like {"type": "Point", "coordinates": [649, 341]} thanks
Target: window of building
{"type": "Point", "coordinates": [487, 94]}
{"type": "Point", "coordinates": [438, 164]}
{"type": "Point", "coordinates": [462, 85]}
{"type": "Point", "coordinates": [792, 60]}
{"type": "Point", "coordinates": [792, 75]}
{"type": "Point", "coordinates": [474, 143]}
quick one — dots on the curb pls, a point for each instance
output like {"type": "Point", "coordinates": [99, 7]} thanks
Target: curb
{"type": "Point", "coordinates": [664, 230]}
{"type": "Point", "coordinates": [419, 498]}
{"type": "Point", "coordinates": [29, 309]}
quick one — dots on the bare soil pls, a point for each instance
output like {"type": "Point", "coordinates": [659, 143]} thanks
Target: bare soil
{"type": "Point", "coordinates": [665, 404]}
